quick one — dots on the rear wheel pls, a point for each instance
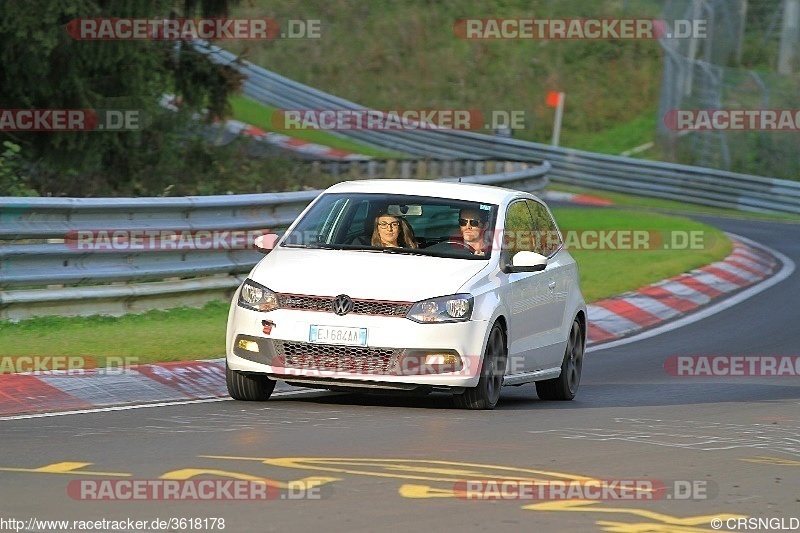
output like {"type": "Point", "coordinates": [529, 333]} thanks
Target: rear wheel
{"type": "Point", "coordinates": [565, 386]}
{"type": "Point", "coordinates": [486, 394]}
{"type": "Point", "coordinates": [248, 387]}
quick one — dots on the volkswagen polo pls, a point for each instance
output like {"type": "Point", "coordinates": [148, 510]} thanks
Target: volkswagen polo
{"type": "Point", "coordinates": [479, 293]}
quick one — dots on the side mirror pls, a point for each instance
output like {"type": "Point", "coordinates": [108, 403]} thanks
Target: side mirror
{"type": "Point", "coordinates": [527, 262]}
{"type": "Point", "coordinates": [265, 243]}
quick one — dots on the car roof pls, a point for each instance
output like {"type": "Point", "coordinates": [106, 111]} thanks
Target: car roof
{"type": "Point", "coordinates": [438, 189]}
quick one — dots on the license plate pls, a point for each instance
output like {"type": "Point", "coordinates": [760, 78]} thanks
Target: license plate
{"type": "Point", "coordinates": [338, 335]}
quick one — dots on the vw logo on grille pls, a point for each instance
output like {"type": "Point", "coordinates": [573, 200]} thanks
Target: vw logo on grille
{"type": "Point", "coordinates": [342, 304]}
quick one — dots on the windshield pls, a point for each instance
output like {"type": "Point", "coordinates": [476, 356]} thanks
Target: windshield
{"type": "Point", "coordinates": [393, 223]}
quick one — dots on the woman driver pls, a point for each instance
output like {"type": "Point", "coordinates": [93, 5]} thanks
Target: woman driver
{"type": "Point", "coordinates": [392, 232]}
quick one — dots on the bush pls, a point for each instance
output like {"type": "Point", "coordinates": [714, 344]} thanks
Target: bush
{"type": "Point", "coordinates": [12, 181]}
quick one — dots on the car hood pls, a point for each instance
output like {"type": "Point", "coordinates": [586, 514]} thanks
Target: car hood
{"type": "Point", "coordinates": [360, 274]}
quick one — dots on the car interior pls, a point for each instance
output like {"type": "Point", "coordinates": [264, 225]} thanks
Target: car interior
{"type": "Point", "coordinates": [432, 224]}
{"type": "Point", "coordinates": [349, 220]}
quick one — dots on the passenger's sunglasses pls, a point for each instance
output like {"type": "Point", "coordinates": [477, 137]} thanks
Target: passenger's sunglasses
{"type": "Point", "coordinates": [472, 222]}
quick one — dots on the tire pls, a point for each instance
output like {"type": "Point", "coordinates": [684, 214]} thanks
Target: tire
{"type": "Point", "coordinates": [565, 386]}
{"type": "Point", "coordinates": [487, 393]}
{"type": "Point", "coordinates": [248, 387]}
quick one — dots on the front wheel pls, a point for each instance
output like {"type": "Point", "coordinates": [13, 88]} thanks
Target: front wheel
{"type": "Point", "coordinates": [565, 386]}
{"type": "Point", "coordinates": [248, 387]}
{"type": "Point", "coordinates": [487, 393]}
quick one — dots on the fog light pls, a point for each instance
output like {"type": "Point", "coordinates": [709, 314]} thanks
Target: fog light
{"type": "Point", "coordinates": [250, 346]}
{"type": "Point", "coordinates": [441, 359]}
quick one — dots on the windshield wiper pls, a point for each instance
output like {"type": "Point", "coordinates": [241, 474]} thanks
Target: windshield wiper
{"type": "Point", "coordinates": [322, 245]}
{"type": "Point", "coordinates": [404, 251]}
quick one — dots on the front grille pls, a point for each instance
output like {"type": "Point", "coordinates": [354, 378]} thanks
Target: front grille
{"type": "Point", "coordinates": [335, 358]}
{"type": "Point", "coordinates": [373, 307]}
{"type": "Point", "coordinates": [360, 307]}
{"type": "Point", "coordinates": [308, 303]}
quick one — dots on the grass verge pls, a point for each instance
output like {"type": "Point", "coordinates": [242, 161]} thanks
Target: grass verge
{"type": "Point", "coordinates": [608, 272]}
{"type": "Point", "coordinates": [618, 138]}
{"type": "Point", "coordinates": [182, 334]}
{"type": "Point", "coordinates": [630, 201]}
{"type": "Point", "coordinates": [156, 336]}
{"type": "Point", "coordinates": [257, 114]}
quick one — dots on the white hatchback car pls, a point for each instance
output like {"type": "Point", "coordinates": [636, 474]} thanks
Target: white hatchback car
{"type": "Point", "coordinates": [412, 285]}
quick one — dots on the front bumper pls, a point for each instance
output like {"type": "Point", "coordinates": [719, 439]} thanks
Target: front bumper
{"type": "Point", "coordinates": [399, 353]}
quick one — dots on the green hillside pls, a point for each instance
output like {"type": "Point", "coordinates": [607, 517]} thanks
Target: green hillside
{"type": "Point", "coordinates": [405, 54]}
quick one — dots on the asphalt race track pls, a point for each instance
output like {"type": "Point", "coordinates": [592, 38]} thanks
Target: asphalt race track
{"type": "Point", "coordinates": [720, 447]}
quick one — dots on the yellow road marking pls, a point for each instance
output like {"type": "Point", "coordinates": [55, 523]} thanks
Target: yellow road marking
{"type": "Point", "coordinates": [772, 461]}
{"type": "Point", "coordinates": [588, 506]}
{"type": "Point", "coordinates": [297, 484]}
{"type": "Point", "coordinates": [648, 527]}
{"type": "Point", "coordinates": [419, 469]}
{"type": "Point", "coordinates": [66, 467]}
{"type": "Point", "coordinates": [432, 470]}
{"type": "Point", "coordinates": [425, 491]}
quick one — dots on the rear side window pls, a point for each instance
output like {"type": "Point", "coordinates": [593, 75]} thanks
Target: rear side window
{"type": "Point", "coordinates": [518, 234]}
{"type": "Point", "coordinates": [547, 240]}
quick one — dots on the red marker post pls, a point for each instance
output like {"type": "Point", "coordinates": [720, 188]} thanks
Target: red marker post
{"type": "Point", "coordinates": [556, 99]}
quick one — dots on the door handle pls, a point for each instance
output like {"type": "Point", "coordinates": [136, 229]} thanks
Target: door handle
{"type": "Point", "coordinates": [551, 285]}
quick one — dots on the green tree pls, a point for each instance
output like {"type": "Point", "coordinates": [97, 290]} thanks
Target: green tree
{"type": "Point", "coordinates": [12, 182]}
{"type": "Point", "coordinates": [45, 68]}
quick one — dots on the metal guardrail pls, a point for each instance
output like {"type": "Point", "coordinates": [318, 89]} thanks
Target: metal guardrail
{"type": "Point", "coordinates": [45, 270]}
{"type": "Point", "coordinates": [698, 185]}
{"type": "Point", "coordinates": [33, 253]}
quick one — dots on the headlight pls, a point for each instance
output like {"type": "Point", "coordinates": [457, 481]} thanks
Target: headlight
{"type": "Point", "coordinates": [455, 308]}
{"type": "Point", "coordinates": [257, 297]}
